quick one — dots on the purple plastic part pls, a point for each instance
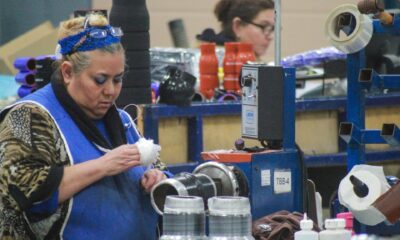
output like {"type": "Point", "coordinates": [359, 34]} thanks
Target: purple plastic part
{"type": "Point", "coordinates": [25, 64]}
{"type": "Point", "coordinates": [155, 86]}
{"type": "Point", "coordinates": [228, 96]}
{"type": "Point", "coordinates": [239, 144]}
{"type": "Point", "coordinates": [313, 57]}
{"type": "Point", "coordinates": [25, 78]}
{"type": "Point", "coordinates": [25, 90]}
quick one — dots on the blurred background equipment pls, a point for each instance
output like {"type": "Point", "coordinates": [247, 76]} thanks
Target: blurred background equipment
{"type": "Point", "coordinates": [133, 18]}
{"type": "Point", "coordinates": [178, 33]}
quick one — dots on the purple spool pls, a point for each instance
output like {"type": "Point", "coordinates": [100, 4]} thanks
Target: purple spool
{"type": "Point", "coordinates": [25, 90]}
{"type": "Point", "coordinates": [155, 86]}
{"type": "Point", "coordinates": [25, 78]}
{"type": "Point", "coordinates": [25, 64]}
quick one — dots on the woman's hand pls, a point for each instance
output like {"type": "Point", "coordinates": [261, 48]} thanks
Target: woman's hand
{"type": "Point", "coordinates": [120, 159]}
{"type": "Point", "coordinates": [79, 176]}
{"type": "Point", "coordinates": [151, 178]}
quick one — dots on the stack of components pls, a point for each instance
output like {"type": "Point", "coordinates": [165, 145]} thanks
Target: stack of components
{"type": "Point", "coordinates": [236, 54]}
{"type": "Point", "coordinates": [208, 66]}
{"type": "Point", "coordinates": [133, 18]}
{"type": "Point", "coordinates": [33, 73]}
{"type": "Point", "coordinates": [184, 218]}
{"type": "Point", "coordinates": [229, 218]}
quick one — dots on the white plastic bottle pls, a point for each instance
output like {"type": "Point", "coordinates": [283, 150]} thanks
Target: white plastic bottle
{"type": "Point", "coordinates": [306, 232]}
{"type": "Point", "coordinates": [340, 226]}
{"type": "Point", "coordinates": [330, 232]}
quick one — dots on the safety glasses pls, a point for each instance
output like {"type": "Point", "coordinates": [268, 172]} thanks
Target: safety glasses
{"type": "Point", "coordinates": [266, 29]}
{"type": "Point", "coordinates": [102, 33]}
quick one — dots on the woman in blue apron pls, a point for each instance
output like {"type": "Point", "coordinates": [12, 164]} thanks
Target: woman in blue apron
{"type": "Point", "coordinates": [69, 165]}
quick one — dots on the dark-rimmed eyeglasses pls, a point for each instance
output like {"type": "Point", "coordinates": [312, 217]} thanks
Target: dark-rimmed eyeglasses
{"type": "Point", "coordinates": [265, 28]}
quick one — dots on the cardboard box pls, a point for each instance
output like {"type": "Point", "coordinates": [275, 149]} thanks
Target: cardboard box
{"type": "Point", "coordinates": [41, 40]}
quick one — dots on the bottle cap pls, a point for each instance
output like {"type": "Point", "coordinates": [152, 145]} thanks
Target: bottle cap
{"type": "Point", "coordinates": [306, 224]}
{"type": "Point", "coordinates": [340, 223]}
{"type": "Point", "coordinates": [330, 224]}
{"type": "Point", "coordinates": [348, 216]}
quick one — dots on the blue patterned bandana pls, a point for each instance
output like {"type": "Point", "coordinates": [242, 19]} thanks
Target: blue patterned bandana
{"type": "Point", "coordinates": [90, 38]}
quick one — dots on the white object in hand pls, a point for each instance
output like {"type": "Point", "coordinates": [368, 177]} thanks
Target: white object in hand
{"type": "Point", "coordinates": [149, 151]}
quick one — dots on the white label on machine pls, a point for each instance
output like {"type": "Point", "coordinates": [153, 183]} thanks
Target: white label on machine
{"type": "Point", "coordinates": [265, 178]}
{"type": "Point", "coordinates": [249, 121]}
{"type": "Point", "coordinates": [282, 181]}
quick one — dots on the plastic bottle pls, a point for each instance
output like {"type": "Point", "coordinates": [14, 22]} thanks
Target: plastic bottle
{"type": "Point", "coordinates": [208, 66]}
{"type": "Point", "coordinates": [330, 233]}
{"type": "Point", "coordinates": [306, 232]}
{"type": "Point", "coordinates": [348, 217]}
{"type": "Point", "coordinates": [340, 227]}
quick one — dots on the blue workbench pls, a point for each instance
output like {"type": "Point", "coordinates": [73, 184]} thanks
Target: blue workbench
{"type": "Point", "coordinates": [195, 113]}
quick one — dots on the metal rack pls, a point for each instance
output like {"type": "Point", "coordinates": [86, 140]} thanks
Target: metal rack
{"type": "Point", "coordinates": [360, 82]}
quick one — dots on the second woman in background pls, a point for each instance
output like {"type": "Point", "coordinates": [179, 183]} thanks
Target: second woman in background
{"type": "Point", "coordinates": [251, 21]}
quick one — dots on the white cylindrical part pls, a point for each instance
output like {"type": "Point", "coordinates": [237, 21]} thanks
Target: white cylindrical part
{"type": "Point", "coordinates": [347, 29]}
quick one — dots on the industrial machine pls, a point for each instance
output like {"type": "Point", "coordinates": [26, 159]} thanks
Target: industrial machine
{"type": "Point", "coordinates": [272, 177]}
{"type": "Point", "coordinates": [275, 173]}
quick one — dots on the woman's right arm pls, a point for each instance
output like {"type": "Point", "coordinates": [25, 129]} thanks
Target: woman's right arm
{"type": "Point", "coordinates": [79, 176]}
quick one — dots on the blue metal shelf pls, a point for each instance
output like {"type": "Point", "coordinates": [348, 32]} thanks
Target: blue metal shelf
{"type": "Point", "coordinates": [340, 159]}
{"type": "Point", "coordinates": [156, 111]}
{"type": "Point", "coordinates": [195, 113]}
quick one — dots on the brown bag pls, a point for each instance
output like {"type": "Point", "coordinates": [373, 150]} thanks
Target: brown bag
{"type": "Point", "coordinates": [280, 225]}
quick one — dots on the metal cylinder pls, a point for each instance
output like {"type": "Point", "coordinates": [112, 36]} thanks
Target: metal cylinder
{"type": "Point", "coordinates": [229, 218]}
{"type": "Point", "coordinates": [183, 184]}
{"type": "Point", "coordinates": [184, 218]}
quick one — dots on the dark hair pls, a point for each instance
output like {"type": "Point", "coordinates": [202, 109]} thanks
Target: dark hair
{"type": "Point", "coordinates": [227, 10]}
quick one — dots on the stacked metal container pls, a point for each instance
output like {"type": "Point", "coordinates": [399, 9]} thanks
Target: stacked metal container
{"type": "Point", "coordinates": [133, 17]}
{"type": "Point", "coordinates": [229, 218]}
{"type": "Point", "coordinates": [184, 218]}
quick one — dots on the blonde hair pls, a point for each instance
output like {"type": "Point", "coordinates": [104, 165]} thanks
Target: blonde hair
{"type": "Point", "coordinates": [81, 60]}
